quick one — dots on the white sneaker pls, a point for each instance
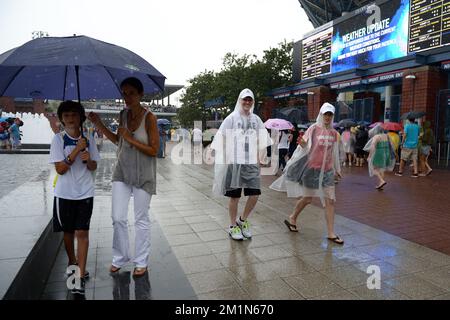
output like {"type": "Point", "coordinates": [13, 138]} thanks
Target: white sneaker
{"type": "Point", "coordinates": [245, 227]}
{"type": "Point", "coordinates": [236, 233]}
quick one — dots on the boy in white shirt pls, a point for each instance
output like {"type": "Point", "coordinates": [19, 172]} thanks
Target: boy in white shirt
{"type": "Point", "coordinates": [75, 158]}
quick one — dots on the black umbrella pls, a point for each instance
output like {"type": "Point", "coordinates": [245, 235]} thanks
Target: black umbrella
{"type": "Point", "coordinates": [293, 114]}
{"type": "Point", "coordinates": [346, 123]}
{"type": "Point", "coordinates": [413, 114]}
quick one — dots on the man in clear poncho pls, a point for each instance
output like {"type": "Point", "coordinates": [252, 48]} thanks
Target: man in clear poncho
{"type": "Point", "coordinates": [381, 155]}
{"type": "Point", "coordinates": [239, 145]}
{"type": "Point", "coordinates": [311, 170]}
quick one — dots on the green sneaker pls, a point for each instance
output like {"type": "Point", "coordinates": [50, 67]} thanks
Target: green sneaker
{"type": "Point", "coordinates": [235, 233]}
{"type": "Point", "coordinates": [245, 227]}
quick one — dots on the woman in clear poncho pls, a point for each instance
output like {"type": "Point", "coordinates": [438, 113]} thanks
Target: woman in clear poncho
{"type": "Point", "coordinates": [381, 155]}
{"type": "Point", "coordinates": [239, 144]}
{"type": "Point", "coordinates": [311, 170]}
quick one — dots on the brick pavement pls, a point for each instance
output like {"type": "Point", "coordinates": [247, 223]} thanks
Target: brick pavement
{"type": "Point", "coordinates": [415, 209]}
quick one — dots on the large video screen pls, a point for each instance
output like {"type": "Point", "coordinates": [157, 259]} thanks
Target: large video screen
{"type": "Point", "coordinates": [376, 34]}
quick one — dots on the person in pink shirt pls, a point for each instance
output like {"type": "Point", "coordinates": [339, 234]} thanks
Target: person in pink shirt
{"type": "Point", "coordinates": [312, 169]}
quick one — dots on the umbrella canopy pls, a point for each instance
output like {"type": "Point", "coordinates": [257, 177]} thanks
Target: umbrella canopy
{"type": "Point", "coordinates": [279, 124]}
{"type": "Point", "coordinates": [292, 114]}
{"type": "Point", "coordinates": [73, 68]}
{"type": "Point", "coordinates": [163, 122]}
{"type": "Point", "coordinates": [392, 126]}
{"type": "Point", "coordinates": [363, 123]}
{"type": "Point", "coordinates": [373, 125]}
{"type": "Point", "coordinates": [412, 114]}
{"type": "Point", "coordinates": [346, 123]}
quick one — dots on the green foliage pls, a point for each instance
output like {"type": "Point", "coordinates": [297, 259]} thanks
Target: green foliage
{"type": "Point", "coordinates": [273, 70]}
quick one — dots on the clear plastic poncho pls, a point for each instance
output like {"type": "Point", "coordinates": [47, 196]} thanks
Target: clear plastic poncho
{"type": "Point", "coordinates": [239, 144]}
{"type": "Point", "coordinates": [311, 170]}
{"type": "Point", "coordinates": [348, 141]}
{"type": "Point", "coordinates": [381, 152]}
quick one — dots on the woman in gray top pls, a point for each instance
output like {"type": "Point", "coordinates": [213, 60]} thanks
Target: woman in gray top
{"type": "Point", "coordinates": [134, 174]}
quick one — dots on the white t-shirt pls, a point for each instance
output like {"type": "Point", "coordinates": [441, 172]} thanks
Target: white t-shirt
{"type": "Point", "coordinates": [78, 182]}
{"type": "Point", "coordinates": [197, 133]}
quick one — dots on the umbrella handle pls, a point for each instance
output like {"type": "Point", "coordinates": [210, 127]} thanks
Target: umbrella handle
{"type": "Point", "coordinates": [82, 137]}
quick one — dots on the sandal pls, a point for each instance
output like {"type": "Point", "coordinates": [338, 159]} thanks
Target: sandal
{"type": "Point", "coordinates": [336, 240]}
{"type": "Point", "coordinates": [291, 227]}
{"type": "Point", "coordinates": [380, 187]}
{"type": "Point", "coordinates": [139, 272]}
{"type": "Point", "coordinates": [114, 269]}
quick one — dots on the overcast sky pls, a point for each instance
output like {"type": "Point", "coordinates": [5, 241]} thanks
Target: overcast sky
{"type": "Point", "coordinates": [180, 38]}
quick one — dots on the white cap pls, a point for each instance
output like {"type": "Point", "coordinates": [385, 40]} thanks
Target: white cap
{"type": "Point", "coordinates": [327, 107]}
{"type": "Point", "coordinates": [247, 93]}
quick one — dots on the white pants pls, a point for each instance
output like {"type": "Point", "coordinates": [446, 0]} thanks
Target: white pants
{"type": "Point", "coordinates": [121, 194]}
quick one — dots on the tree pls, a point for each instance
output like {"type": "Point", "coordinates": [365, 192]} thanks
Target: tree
{"type": "Point", "coordinates": [194, 99]}
{"type": "Point", "coordinates": [238, 72]}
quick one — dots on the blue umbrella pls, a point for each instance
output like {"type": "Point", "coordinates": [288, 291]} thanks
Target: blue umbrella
{"type": "Point", "coordinates": [163, 122]}
{"type": "Point", "coordinates": [73, 68]}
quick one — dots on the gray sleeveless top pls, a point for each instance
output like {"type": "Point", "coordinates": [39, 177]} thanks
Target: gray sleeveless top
{"type": "Point", "coordinates": [134, 167]}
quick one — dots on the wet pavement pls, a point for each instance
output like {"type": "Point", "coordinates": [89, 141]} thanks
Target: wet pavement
{"type": "Point", "coordinates": [25, 210]}
{"type": "Point", "coordinates": [415, 209]}
{"type": "Point", "coordinates": [192, 256]}
{"type": "Point", "coordinates": [16, 169]}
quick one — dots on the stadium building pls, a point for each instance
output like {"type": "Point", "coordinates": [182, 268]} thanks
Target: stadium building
{"type": "Point", "coordinates": [375, 61]}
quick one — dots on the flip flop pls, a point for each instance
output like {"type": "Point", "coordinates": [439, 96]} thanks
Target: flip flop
{"type": "Point", "coordinates": [380, 187]}
{"type": "Point", "coordinates": [336, 240]}
{"type": "Point", "coordinates": [429, 172]}
{"type": "Point", "coordinates": [291, 227]}
{"type": "Point", "coordinates": [139, 272]}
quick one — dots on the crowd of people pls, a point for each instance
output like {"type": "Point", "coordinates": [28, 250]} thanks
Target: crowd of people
{"type": "Point", "coordinates": [10, 134]}
{"type": "Point", "coordinates": [411, 144]}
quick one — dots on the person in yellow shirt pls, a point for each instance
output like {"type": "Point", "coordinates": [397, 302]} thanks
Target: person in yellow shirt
{"type": "Point", "coordinates": [395, 141]}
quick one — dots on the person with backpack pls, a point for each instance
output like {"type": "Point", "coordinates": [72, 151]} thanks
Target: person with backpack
{"type": "Point", "coordinates": [75, 158]}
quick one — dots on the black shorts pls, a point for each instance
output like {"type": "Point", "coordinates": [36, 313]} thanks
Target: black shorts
{"type": "Point", "coordinates": [71, 215]}
{"type": "Point", "coordinates": [236, 193]}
